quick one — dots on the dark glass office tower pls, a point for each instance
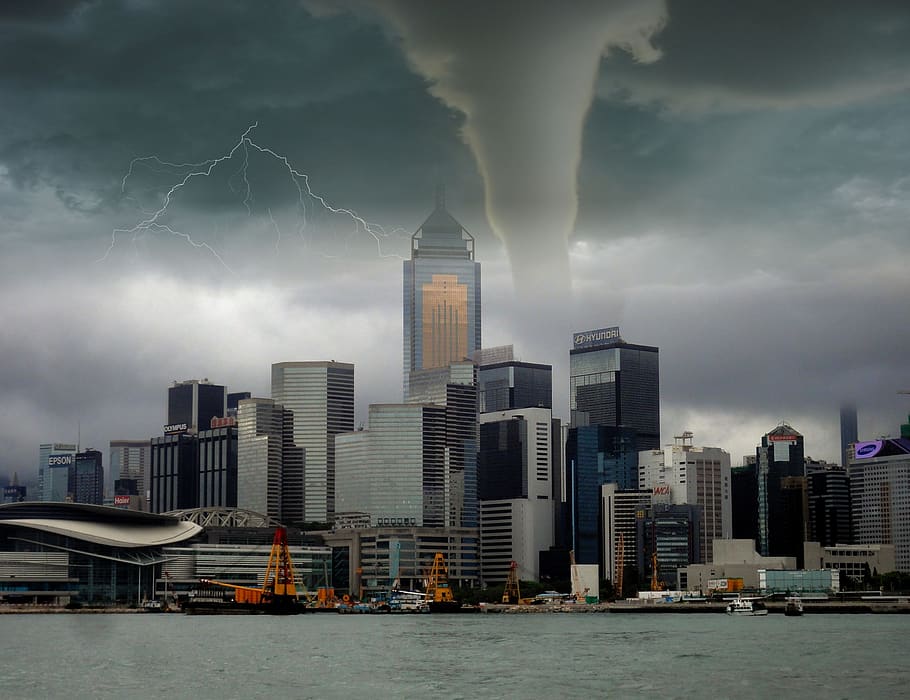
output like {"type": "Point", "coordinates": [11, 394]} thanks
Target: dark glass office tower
{"type": "Point", "coordinates": [744, 494]}
{"type": "Point", "coordinates": [782, 504]}
{"type": "Point", "coordinates": [829, 507]}
{"type": "Point", "coordinates": [595, 455]}
{"type": "Point", "coordinates": [218, 467]}
{"type": "Point", "coordinates": [441, 295]}
{"type": "Point", "coordinates": [506, 385]}
{"type": "Point", "coordinates": [615, 383]}
{"type": "Point", "coordinates": [174, 472]}
{"type": "Point", "coordinates": [88, 478]}
{"type": "Point", "coordinates": [195, 402]}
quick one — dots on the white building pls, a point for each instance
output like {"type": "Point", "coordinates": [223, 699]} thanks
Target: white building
{"type": "Point", "coordinates": [321, 397]}
{"type": "Point", "coordinates": [879, 474]}
{"type": "Point", "coordinates": [620, 510]}
{"type": "Point", "coordinates": [516, 510]}
{"type": "Point", "coordinates": [685, 474]}
{"type": "Point", "coordinates": [396, 470]}
{"type": "Point", "coordinates": [131, 459]}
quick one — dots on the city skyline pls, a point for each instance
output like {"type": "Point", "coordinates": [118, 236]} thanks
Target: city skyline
{"type": "Point", "coordinates": [741, 202]}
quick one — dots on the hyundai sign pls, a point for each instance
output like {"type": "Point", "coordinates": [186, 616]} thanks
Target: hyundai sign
{"type": "Point", "coordinates": [600, 336]}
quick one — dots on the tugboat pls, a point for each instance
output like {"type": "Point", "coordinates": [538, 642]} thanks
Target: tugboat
{"type": "Point", "coordinates": [746, 607]}
{"type": "Point", "coordinates": [794, 607]}
{"type": "Point", "coordinates": [438, 594]}
{"type": "Point", "coordinates": [278, 595]}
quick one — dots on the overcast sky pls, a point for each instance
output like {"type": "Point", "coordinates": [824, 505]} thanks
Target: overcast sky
{"type": "Point", "coordinates": [729, 182]}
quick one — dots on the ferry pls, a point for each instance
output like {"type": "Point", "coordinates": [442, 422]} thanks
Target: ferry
{"type": "Point", "coordinates": [793, 607]}
{"type": "Point", "coordinates": [746, 607]}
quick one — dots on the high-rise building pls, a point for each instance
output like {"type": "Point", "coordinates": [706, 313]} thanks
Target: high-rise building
{"type": "Point", "coordinates": [395, 471]}
{"type": "Point", "coordinates": [615, 383]}
{"type": "Point", "coordinates": [849, 432]}
{"type": "Point", "coordinates": [504, 383]}
{"type": "Point", "coordinates": [879, 475]}
{"type": "Point", "coordinates": [687, 474]}
{"type": "Point", "coordinates": [218, 467]}
{"type": "Point", "coordinates": [829, 506]}
{"type": "Point", "coordinates": [515, 491]}
{"type": "Point", "coordinates": [744, 498]}
{"type": "Point", "coordinates": [595, 455]}
{"type": "Point", "coordinates": [441, 295]}
{"type": "Point", "coordinates": [193, 403]}
{"type": "Point", "coordinates": [49, 455]}
{"type": "Point", "coordinates": [667, 535]}
{"type": "Point", "coordinates": [88, 478]}
{"type": "Point", "coordinates": [174, 473]}
{"type": "Point", "coordinates": [455, 388]}
{"type": "Point", "coordinates": [619, 511]}
{"type": "Point", "coordinates": [321, 397]}
{"type": "Point", "coordinates": [270, 466]}
{"type": "Point", "coordinates": [130, 459]}
{"type": "Point", "coordinates": [233, 399]}
{"type": "Point", "coordinates": [782, 503]}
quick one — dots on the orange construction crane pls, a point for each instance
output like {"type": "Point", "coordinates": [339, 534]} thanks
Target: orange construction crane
{"type": "Point", "coordinates": [619, 564]}
{"type": "Point", "coordinates": [511, 593]}
{"type": "Point", "coordinates": [438, 593]}
{"type": "Point", "coordinates": [656, 583]}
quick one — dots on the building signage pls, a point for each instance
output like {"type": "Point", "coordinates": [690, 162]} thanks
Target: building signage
{"type": "Point", "coordinates": [600, 336]}
{"type": "Point", "coordinates": [865, 450]}
{"type": "Point", "coordinates": [175, 428]}
{"type": "Point", "coordinates": [782, 438]}
{"type": "Point", "coordinates": [60, 460]}
{"type": "Point", "coordinates": [121, 500]}
{"type": "Point", "coordinates": [662, 490]}
{"type": "Point", "coordinates": [222, 422]}
{"type": "Point", "coordinates": [396, 521]}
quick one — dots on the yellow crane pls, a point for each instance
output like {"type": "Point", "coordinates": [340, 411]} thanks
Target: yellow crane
{"type": "Point", "coordinates": [656, 583]}
{"type": "Point", "coordinates": [511, 593]}
{"type": "Point", "coordinates": [438, 593]}
{"type": "Point", "coordinates": [576, 579]}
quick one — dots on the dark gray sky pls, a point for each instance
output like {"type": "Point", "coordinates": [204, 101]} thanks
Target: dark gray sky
{"type": "Point", "coordinates": [733, 182]}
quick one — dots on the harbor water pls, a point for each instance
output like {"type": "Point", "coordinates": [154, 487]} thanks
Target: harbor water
{"type": "Point", "coordinates": [453, 656]}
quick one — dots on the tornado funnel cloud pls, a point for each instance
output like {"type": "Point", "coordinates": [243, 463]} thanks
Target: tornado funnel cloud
{"type": "Point", "coordinates": [523, 75]}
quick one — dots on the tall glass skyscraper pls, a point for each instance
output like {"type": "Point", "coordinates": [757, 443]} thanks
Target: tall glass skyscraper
{"type": "Point", "coordinates": [441, 295]}
{"type": "Point", "coordinates": [615, 383]}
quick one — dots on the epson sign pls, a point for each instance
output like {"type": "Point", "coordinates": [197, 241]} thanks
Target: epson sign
{"type": "Point", "coordinates": [60, 460]}
{"type": "Point", "coordinates": [600, 336]}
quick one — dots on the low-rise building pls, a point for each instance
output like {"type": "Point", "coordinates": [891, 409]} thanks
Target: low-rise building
{"type": "Point", "coordinates": [855, 560]}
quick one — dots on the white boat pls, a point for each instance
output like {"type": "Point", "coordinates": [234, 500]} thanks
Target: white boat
{"type": "Point", "coordinates": [746, 607]}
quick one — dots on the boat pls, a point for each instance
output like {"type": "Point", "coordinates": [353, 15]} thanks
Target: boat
{"type": "Point", "coordinates": [793, 607]}
{"type": "Point", "coordinates": [278, 595]}
{"type": "Point", "coordinates": [746, 607]}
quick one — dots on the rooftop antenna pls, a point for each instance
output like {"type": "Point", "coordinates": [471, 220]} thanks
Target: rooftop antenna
{"type": "Point", "coordinates": [685, 438]}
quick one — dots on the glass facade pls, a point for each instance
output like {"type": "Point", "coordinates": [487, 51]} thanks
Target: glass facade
{"type": "Point", "coordinates": [218, 468]}
{"type": "Point", "coordinates": [441, 296]}
{"type": "Point", "coordinates": [195, 403]}
{"type": "Point", "coordinates": [782, 511]}
{"type": "Point", "coordinates": [321, 398]}
{"type": "Point", "coordinates": [672, 532]}
{"type": "Point", "coordinates": [88, 478]}
{"type": "Point", "coordinates": [174, 472]}
{"type": "Point", "coordinates": [514, 385]}
{"type": "Point", "coordinates": [618, 385]}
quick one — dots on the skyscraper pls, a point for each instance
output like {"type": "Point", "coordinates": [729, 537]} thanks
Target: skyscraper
{"type": "Point", "coordinates": [53, 454]}
{"type": "Point", "coordinates": [615, 383]}
{"type": "Point", "coordinates": [321, 397]}
{"type": "Point", "coordinates": [504, 383]}
{"type": "Point", "coordinates": [269, 465]}
{"type": "Point", "coordinates": [441, 295]}
{"type": "Point", "coordinates": [130, 459]}
{"type": "Point", "coordinates": [782, 505]}
{"type": "Point", "coordinates": [848, 430]}
{"type": "Point", "coordinates": [194, 403]}
{"type": "Point", "coordinates": [88, 478]}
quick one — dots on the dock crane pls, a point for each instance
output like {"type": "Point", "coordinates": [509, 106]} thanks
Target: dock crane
{"type": "Point", "coordinates": [511, 593]}
{"type": "Point", "coordinates": [279, 592]}
{"type": "Point", "coordinates": [656, 583]}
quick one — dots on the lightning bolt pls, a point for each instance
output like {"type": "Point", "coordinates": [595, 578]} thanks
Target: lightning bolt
{"type": "Point", "coordinates": [239, 184]}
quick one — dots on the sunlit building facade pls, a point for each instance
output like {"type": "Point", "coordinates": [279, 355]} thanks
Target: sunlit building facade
{"type": "Point", "coordinates": [441, 295]}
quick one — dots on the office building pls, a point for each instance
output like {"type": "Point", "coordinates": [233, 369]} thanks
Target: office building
{"type": "Point", "coordinates": [879, 474]}
{"type": "Point", "coordinates": [618, 530]}
{"type": "Point", "coordinates": [687, 474]}
{"type": "Point", "coordinates": [193, 403]}
{"type": "Point", "coordinates": [270, 466]}
{"type": "Point", "coordinates": [455, 388]}
{"type": "Point", "coordinates": [217, 467]}
{"type": "Point", "coordinates": [744, 497]}
{"type": "Point", "coordinates": [782, 500]}
{"type": "Point", "coordinates": [515, 491]}
{"type": "Point", "coordinates": [441, 295]}
{"type": "Point", "coordinates": [321, 397]}
{"type": "Point", "coordinates": [234, 398]}
{"type": "Point", "coordinates": [829, 506]}
{"type": "Point", "coordinates": [174, 482]}
{"type": "Point", "coordinates": [615, 383]}
{"type": "Point", "coordinates": [667, 535]}
{"type": "Point", "coordinates": [504, 383]}
{"type": "Point", "coordinates": [595, 455]}
{"type": "Point", "coordinates": [130, 459]}
{"type": "Point", "coordinates": [14, 492]}
{"type": "Point", "coordinates": [88, 478]}
{"type": "Point", "coordinates": [849, 432]}
{"type": "Point", "coordinates": [51, 454]}
{"type": "Point", "coordinates": [395, 470]}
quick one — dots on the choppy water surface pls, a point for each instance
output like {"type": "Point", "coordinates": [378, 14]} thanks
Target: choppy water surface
{"type": "Point", "coordinates": [453, 656]}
